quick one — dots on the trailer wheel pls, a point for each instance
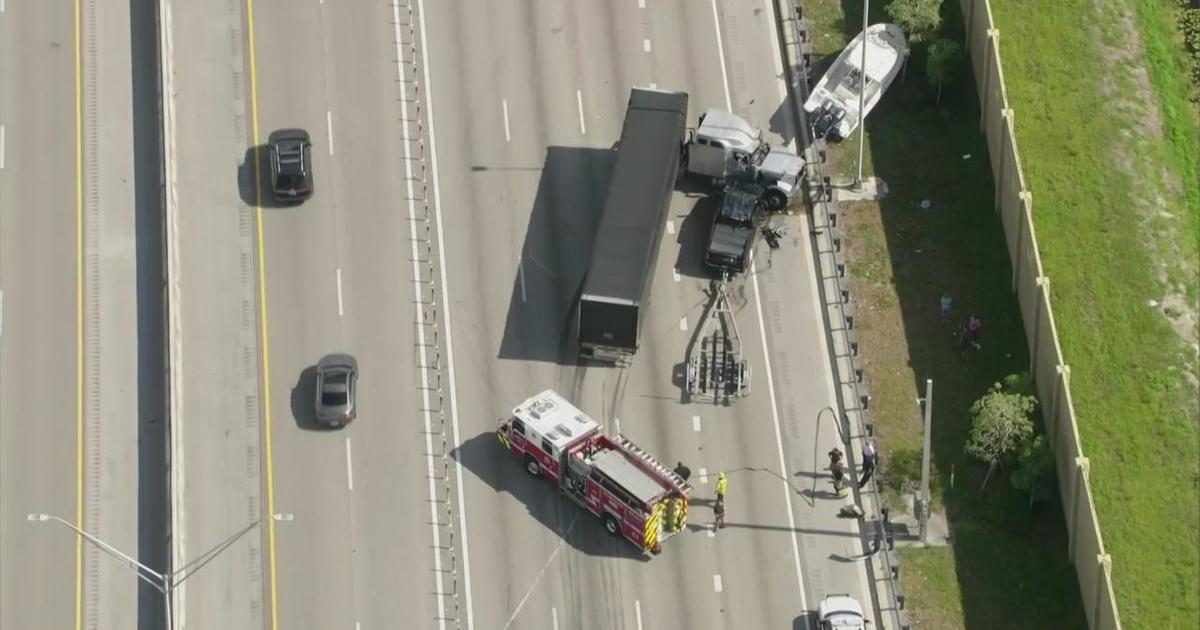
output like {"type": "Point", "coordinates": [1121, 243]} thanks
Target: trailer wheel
{"type": "Point", "coordinates": [532, 467]}
{"type": "Point", "coordinates": [611, 525]}
{"type": "Point", "coordinates": [775, 199]}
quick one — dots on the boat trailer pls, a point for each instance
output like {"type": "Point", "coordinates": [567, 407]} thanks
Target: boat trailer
{"type": "Point", "coordinates": [716, 370]}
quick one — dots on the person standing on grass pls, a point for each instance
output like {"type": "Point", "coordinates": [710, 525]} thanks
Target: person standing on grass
{"type": "Point", "coordinates": [974, 326]}
{"type": "Point", "coordinates": [946, 304]}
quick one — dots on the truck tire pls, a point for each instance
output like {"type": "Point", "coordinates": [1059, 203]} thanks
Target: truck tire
{"type": "Point", "coordinates": [775, 199]}
{"type": "Point", "coordinates": [611, 525]}
{"type": "Point", "coordinates": [532, 467]}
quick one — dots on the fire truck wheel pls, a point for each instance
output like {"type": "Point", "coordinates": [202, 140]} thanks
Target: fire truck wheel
{"type": "Point", "coordinates": [611, 525]}
{"type": "Point", "coordinates": [532, 467]}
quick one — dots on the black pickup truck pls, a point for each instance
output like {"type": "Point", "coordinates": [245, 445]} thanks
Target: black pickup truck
{"type": "Point", "coordinates": [735, 229]}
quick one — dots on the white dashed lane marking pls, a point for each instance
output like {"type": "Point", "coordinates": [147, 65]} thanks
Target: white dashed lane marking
{"type": "Point", "coordinates": [507, 135]}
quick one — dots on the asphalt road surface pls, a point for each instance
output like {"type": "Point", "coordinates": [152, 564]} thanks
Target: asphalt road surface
{"type": "Point", "coordinates": [461, 156]}
{"type": "Point", "coordinates": [38, 415]}
{"type": "Point", "coordinates": [81, 416]}
{"type": "Point", "coordinates": [523, 120]}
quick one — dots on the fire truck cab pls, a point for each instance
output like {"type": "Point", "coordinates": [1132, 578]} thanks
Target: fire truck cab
{"type": "Point", "coordinates": [634, 495]}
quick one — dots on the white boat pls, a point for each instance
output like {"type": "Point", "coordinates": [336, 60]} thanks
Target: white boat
{"type": "Point", "coordinates": [833, 103]}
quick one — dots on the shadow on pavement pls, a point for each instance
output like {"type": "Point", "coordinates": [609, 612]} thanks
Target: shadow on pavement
{"type": "Point", "coordinates": [554, 259]}
{"type": "Point", "coordinates": [503, 473]}
{"type": "Point", "coordinates": [304, 395]}
{"type": "Point", "coordinates": [246, 176]}
{"type": "Point", "coordinates": [693, 237]}
{"type": "Point", "coordinates": [153, 467]}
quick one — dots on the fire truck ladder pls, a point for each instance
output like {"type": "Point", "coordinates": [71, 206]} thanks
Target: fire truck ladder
{"type": "Point", "coordinates": [638, 452]}
{"type": "Point", "coordinates": [716, 370]}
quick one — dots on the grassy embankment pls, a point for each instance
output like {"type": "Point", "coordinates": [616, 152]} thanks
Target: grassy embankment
{"type": "Point", "coordinates": [1008, 566]}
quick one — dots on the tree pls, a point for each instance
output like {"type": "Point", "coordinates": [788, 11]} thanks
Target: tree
{"type": "Point", "coordinates": [920, 19]}
{"type": "Point", "coordinates": [1000, 425]}
{"type": "Point", "coordinates": [943, 59]}
{"type": "Point", "coordinates": [1035, 463]}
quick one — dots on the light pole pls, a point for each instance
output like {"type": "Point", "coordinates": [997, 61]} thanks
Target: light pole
{"type": "Point", "coordinates": [925, 498]}
{"type": "Point", "coordinates": [862, 91]}
{"type": "Point", "coordinates": [164, 583]}
{"type": "Point", "coordinates": [160, 581]}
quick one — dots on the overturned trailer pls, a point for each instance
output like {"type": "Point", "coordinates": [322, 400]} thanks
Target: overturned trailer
{"type": "Point", "coordinates": [616, 290]}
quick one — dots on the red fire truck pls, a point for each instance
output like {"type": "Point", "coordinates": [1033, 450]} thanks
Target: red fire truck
{"type": "Point", "coordinates": [636, 496]}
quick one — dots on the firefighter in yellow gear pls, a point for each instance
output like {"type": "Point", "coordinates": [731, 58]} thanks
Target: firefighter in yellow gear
{"type": "Point", "coordinates": [672, 510]}
{"type": "Point", "coordinates": [722, 486]}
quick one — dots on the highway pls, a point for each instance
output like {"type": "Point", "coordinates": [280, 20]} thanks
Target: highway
{"type": "Point", "coordinates": [523, 119]}
{"type": "Point", "coordinates": [81, 396]}
{"type": "Point", "coordinates": [339, 279]}
{"type": "Point", "coordinates": [38, 415]}
{"type": "Point", "coordinates": [461, 153]}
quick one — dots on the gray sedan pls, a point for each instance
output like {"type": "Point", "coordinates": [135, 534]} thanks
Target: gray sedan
{"type": "Point", "coordinates": [337, 375]}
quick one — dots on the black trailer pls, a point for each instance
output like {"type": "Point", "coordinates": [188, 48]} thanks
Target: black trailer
{"type": "Point", "coordinates": [616, 291]}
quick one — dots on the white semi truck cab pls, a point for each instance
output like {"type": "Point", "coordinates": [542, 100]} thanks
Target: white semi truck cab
{"type": "Point", "coordinates": [724, 147]}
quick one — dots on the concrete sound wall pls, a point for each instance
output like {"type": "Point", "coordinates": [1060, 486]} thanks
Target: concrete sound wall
{"type": "Point", "coordinates": [1014, 202]}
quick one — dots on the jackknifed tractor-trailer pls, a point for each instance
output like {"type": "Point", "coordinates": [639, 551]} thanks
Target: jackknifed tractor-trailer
{"type": "Point", "coordinates": [634, 495]}
{"type": "Point", "coordinates": [616, 290]}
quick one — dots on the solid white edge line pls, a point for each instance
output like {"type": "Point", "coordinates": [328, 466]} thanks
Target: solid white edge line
{"type": "Point", "coordinates": [435, 524]}
{"type": "Point", "coordinates": [579, 102]}
{"type": "Point", "coordinates": [504, 106]}
{"type": "Point", "coordinates": [787, 495]}
{"type": "Point", "coordinates": [637, 612]}
{"type": "Point", "coordinates": [178, 546]}
{"type": "Point", "coordinates": [721, 54]}
{"type": "Point", "coordinates": [437, 196]}
{"type": "Point", "coordinates": [341, 311]}
{"type": "Point", "coordinates": [329, 129]}
{"type": "Point", "coordinates": [521, 274]}
{"type": "Point", "coordinates": [349, 467]}
{"type": "Point", "coordinates": [554, 617]}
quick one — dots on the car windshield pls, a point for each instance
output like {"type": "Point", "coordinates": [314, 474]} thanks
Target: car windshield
{"type": "Point", "coordinates": [336, 390]}
{"type": "Point", "coordinates": [287, 180]}
{"type": "Point", "coordinates": [332, 398]}
{"type": "Point", "coordinates": [737, 209]}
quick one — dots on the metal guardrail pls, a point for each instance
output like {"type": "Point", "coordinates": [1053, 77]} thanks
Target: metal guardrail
{"type": "Point", "coordinates": [840, 312]}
